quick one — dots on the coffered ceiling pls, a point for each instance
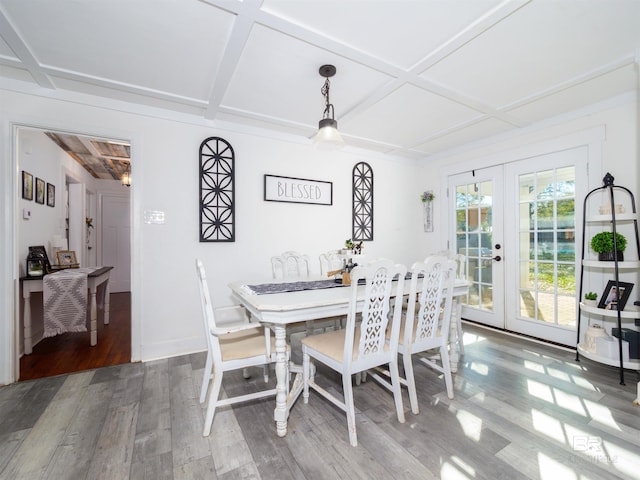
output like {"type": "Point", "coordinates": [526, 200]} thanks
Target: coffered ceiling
{"type": "Point", "coordinates": [414, 77]}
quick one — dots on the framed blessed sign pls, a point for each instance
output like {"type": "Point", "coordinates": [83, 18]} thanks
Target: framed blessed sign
{"type": "Point", "coordinates": [297, 190]}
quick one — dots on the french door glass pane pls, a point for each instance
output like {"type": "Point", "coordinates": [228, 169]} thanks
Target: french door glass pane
{"type": "Point", "coordinates": [547, 276]}
{"type": "Point", "coordinates": [474, 239]}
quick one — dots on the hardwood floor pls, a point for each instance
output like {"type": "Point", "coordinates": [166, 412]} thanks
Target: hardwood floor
{"type": "Point", "coordinates": [72, 352]}
{"type": "Point", "coordinates": [521, 411]}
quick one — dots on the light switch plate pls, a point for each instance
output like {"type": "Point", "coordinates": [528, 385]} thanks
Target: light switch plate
{"type": "Point", "coordinates": [155, 217]}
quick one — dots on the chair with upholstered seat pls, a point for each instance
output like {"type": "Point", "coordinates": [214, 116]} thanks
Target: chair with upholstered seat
{"type": "Point", "coordinates": [426, 324]}
{"type": "Point", "coordinates": [363, 343]}
{"type": "Point", "coordinates": [233, 343]}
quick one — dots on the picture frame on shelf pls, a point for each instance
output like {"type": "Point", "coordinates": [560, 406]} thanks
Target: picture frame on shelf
{"type": "Point", "coordinates": [27, 185]}
{"type": "Point", "coordinates": [67, 259]}
{"type": "Point", "coordinates": [612, 299]}
{"type": "Point", "coordinates": [40, 193]}
{"type": "Point", "coordinates": [51, 195]}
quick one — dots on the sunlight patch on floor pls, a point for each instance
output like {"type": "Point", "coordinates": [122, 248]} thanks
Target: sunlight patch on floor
{"type": "Point", "coordinates": [601, 414]}
{"type": "Point", "coordinates": [535, 366]}
{"type": "Point", "coordinates": [620, 459]}
{"type": "Point", "coordinates": [584, 444]}
{"type": "Point", "coordinates": [540, 390]}
{"type": "Point", "coordinates": [568, 401]}
{"type": "Point", "coordinates": [481, 368]}
{"type": "Point", "coordinates": [471, 424]}
{"type": "Point", "coordinates": [456, 469]}
{"type": "Point", "coordinates": [551, 469]}
{"type": "Point", "coordinates": [560, 375]}
{"type": "Point", "coordinates": [583, 383]}
{"type": "Point", "coordinates": [471, 338]}
{"type": "Point", "coordinates": [548, 426]}
{"type": "Point", "coordinates": [603, 452]}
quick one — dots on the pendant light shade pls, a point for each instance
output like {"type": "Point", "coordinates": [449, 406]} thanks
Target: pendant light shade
{"type": "Point", "coordinates": [126, 177]}
{"type": "Point", "coordinates": [328, 135]}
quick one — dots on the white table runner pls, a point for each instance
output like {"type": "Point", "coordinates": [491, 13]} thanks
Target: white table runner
{"type": "Point", "coordinates": [65, 301]}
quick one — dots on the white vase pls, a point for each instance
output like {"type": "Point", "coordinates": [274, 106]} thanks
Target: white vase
{"type": "Point", "coordinates": [593, 332]}
{"type": "Point", "coordinates": [427, 212]}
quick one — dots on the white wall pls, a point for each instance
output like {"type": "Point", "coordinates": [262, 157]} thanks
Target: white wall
{"type": "Point", "coordinates": [43, 159]}
{"type": "Point", "coordinates": [165, 308]}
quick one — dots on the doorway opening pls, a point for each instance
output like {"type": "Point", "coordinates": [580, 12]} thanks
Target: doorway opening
{"type": "Point", "coordinates": [86, 173]}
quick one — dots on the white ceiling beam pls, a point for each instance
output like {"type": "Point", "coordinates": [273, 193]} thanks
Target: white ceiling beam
{"type": "Point", "coordinates": [15, 41]}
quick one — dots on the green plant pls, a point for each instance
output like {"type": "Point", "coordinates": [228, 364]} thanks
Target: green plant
{"type": "Point", "coordinates": [348, 244]}
{"type": "Point", "coordinates": [591, 296]}
{"type": "Point", "coordinates": [603, 242]}
{"type": "Point", "coordinates": [427, 197]}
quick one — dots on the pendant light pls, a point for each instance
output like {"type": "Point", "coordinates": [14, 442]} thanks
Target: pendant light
{"type": "Point", "coordinates": [126, 176]}
{"type": "Point", "coordinates": [328, 135]}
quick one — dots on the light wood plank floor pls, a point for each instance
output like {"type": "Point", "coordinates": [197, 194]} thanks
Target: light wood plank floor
{"type": "Point", "coordinates": [521, 410]}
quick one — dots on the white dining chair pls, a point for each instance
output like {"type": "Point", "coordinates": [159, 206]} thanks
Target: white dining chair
{"type": "Point", "coordinates": [425, 326]}
{"type": "Point", "coordinates": [233, 343]}
{"type": "Point", "coordinates": [330, 261]}
{"type": "Point", "coordinates": [461, 274]}
{"type": "Point", "coordinates": [363, 343]}
{"type": "Point", "coordinates": [290, 265]}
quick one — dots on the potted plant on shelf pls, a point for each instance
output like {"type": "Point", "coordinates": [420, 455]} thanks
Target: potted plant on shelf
{"type": "Point", "coordinates": [348, 247]}
{"type": "Point", "coordinates": [602, 244]}
{"type": "Point", "coordinates": [590, 298]}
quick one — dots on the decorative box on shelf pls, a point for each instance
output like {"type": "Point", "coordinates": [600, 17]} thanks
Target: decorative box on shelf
{"type": "Point", "coordinates": [632, 337]}
{"type": "Point", "coordinates": [608, 347]}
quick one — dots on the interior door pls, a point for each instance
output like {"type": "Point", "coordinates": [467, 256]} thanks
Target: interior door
{"type": "Point", "coordinates": [476, 199]}
{"type": "Point", "coordinates": [115, 241]}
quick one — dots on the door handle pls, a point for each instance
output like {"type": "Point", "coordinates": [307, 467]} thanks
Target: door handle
{"type": "Point", "coordinates": [497, 258]}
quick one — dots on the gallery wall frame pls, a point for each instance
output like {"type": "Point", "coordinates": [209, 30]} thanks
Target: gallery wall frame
{"type": "Point", "coordinates": [27, 185]}
{"type": "Point", "coordinates": [51, 195]}
{"type": "Point", "coordinates": [40, 191]}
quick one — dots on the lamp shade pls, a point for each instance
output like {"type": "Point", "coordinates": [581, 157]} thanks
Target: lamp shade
{"type": "Point", "coordinates": [328, 135]}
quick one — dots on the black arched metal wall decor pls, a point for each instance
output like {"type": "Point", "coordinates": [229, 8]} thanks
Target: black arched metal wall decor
{"type": "Point", "coordinates": [362, 216]}
{"type": "Point", "coordinates": [217, 191]}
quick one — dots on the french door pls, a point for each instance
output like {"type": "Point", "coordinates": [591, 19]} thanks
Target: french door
{"type": "Point", "coordinates": [517, 226]}
{"type": "Point", "coordinates": [478, 209]}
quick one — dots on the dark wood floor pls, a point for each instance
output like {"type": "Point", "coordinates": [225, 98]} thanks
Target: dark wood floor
{"type": "Point", "coordinates": [72, 352]}
{"type": "Point", "coordinates": [521, 411]}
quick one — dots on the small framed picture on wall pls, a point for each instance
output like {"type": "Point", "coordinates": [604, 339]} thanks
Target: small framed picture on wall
{"type": "Point", "coordinates": [51, 195]}
{"type": "Point", "coordinates": [39, 191]}
{"type": "Point", "coordinates": [27, 186]}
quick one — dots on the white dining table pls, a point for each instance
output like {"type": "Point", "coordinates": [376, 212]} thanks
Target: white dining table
{"type": "Point", "coordinates": [282, 309]}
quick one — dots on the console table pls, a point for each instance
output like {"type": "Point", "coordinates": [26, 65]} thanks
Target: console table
{"type": "Point", "coordinates": [94, 280]}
